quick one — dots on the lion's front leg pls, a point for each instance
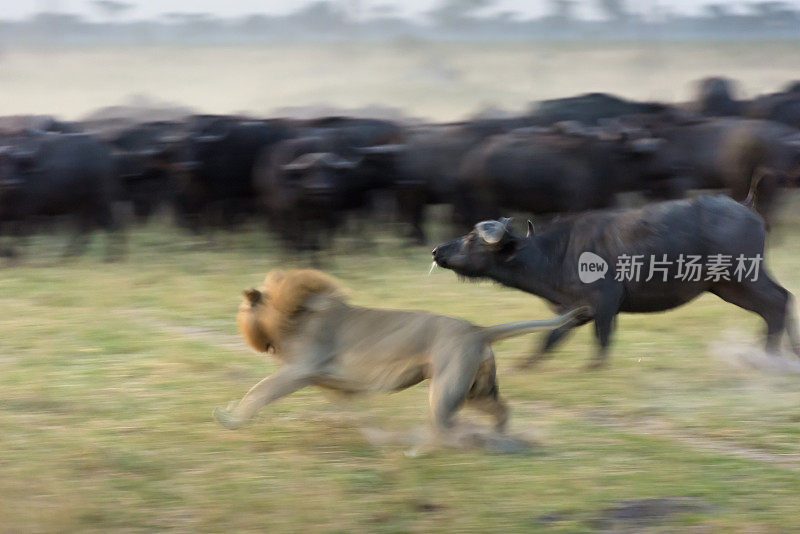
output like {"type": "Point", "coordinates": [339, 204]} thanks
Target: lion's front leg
{"type": "Point", "coordinates": [285, 381]}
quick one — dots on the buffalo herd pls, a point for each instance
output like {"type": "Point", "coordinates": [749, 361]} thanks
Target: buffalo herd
{"type": "Point", "coordinates": [304, 179]}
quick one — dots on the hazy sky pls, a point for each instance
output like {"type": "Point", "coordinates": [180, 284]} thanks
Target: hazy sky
{"type": "Point", "coordinates": [16, 9]}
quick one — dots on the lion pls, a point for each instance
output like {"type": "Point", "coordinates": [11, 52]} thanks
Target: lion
{"type": "Point", "coordinates": [303, 316]}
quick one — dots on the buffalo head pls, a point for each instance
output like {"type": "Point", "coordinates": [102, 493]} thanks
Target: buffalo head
{"type": "Point", "coordinates": [475, 254]}
{"type": "Point", "coordinates": [318, 174]}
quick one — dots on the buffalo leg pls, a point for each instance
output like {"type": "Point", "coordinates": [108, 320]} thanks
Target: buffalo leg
{"type": "Point", "coordinates": [766, 197]}
{"type": "Point", "coordinates": [605, 314]}
{"type": "Point", "coordinates": [18, 234]}
{"type": "Point", "coordinates": [116, 243]}
{"type": "Point", "coordinates": [411, 205]}
{"type": "Point", "coordinates": [79, 240]}
{"type": "Point", "coordinates": [21, 232]}
{"type": "Point", "coordinates": [416, 219]}
{"type": "Point", "coordinates": [791, 326]}
{"type": "Point", "coordinates": [768, 299]}
{"type": "Point", "coordinates": [554, 338]}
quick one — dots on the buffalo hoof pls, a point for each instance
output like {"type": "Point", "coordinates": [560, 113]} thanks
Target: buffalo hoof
{"type": "Point", "coordinates": [12, 257]}
{"type": "Point", "coordinates": [531, 362]}
{"type": "Point", "coordinates": [597, 364]}
{"type": "Point", "coordinates": [224, 417]}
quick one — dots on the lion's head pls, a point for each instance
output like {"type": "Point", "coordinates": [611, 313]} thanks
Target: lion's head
{"type": "Point", "coordinates": [269, 312]}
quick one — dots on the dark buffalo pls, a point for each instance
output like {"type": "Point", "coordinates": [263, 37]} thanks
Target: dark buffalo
{"type": "Point", "coordinates": [59, 174]}
{"type": "Point", "coordinates": [54, 125]}
{"type": "Point", "coordinates": [351, 139]}
{"type": "Point", "coordinates": [426, 167]}
{"type": "Point", "coordinates": [145, 157]}
{"type": "Point", "coordinates": [309, 185]}
{"type": "Point", "coordinates": [222, 154]}
{"type": "Point", "coordinates": [590, 109]}
{"type": "Point", "coordinates": [564, 171]}
{"type": "Point", "coordinates": [345, 135]}
{"type": "Point", "coordinates": [715, 98]}
{"type": "Point", "coordinates": [556, 264]}
{"type": "Point", "coordinates": [17, 124]}
{"type": "Point", "coordinates": [727, 154]}
{"type": "Point", "coordinates": [783, 106]}
{"type": "Point", "coordinates": [307, 191]}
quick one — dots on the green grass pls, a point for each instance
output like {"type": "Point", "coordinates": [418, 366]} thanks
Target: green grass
{"type": "Point", "coordinates": [109, 374]}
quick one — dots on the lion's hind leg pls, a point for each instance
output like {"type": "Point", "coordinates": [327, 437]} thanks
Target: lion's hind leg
{"type": "Point", "coordinates": [452, 379]}
{"type": "Point", "coordinates": [484, 395]}
{"type": "Point", "coordinates": [492, 405]}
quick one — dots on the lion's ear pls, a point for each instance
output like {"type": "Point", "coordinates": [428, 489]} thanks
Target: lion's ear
{"type": "Point", "coordinates": [252, 295]}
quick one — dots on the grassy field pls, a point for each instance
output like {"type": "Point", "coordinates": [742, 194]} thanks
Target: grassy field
{"type": "Point", "coordinates": [435, 81]}
{"type": "Point", "coordinates": [109, 374]}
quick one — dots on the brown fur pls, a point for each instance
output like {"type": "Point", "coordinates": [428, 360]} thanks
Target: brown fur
{"type": "Point", "coordinates": [324, 341]}
{"type": "Point", "coordinates": [283, 297]}
{"type": "Point", "coordinates": [288, 292]}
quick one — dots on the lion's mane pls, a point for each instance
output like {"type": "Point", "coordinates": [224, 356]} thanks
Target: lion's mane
{"type": "Point", "coordinates": [269, 313]}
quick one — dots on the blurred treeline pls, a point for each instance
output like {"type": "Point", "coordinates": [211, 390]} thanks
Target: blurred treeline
{"type": "Point", "coordinates": [450, 20]}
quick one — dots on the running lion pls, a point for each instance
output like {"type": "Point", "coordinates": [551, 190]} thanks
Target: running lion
{"type": "Point", "coordinates": [321, 340]}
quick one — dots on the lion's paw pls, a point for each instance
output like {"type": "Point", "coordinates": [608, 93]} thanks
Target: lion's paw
{"type": "Point", "coordinates": [225, 417]}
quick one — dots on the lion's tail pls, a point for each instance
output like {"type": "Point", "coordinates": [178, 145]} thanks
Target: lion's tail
{"type": "Point", "coordinates": [507, 330]}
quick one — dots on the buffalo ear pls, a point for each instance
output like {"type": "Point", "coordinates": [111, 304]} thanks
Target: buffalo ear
{"type": "Point", "coordinates": [531, 229]}
{"type": "Point", "coordinates": [491, 231]}
{"type": "Point", "coordinates": [252, 295]}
